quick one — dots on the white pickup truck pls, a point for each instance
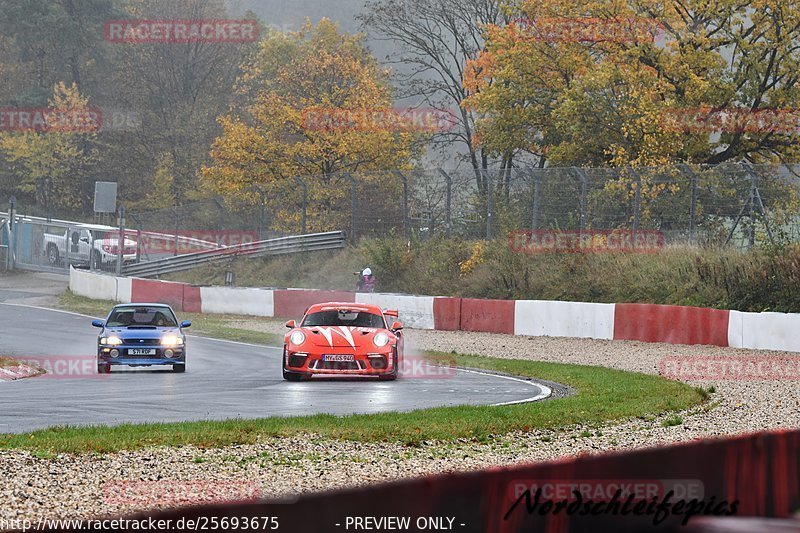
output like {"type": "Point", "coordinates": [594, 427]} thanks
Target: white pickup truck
{"type": "Point", "coordinates": [86, 246]}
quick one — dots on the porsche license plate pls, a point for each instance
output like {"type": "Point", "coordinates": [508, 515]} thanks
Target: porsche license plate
{"type": "Point", "coordinates": [142, 351]}
{"type": "Point", "coordinates": [339, 358]}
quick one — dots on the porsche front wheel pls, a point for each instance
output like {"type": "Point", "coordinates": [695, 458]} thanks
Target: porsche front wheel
{"type": "Point", "coordinates": [395, 370]}
{"type": "Point", "coordinates": [288, 376]}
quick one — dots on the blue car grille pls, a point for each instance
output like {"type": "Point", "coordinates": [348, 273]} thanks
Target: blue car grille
{"type": "Point", "coordinates": [142, 342]}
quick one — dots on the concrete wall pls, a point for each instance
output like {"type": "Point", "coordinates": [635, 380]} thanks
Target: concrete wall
{"type": "Point", "coordinates": [226, 300]}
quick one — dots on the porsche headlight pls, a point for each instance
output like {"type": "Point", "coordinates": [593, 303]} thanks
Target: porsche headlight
{"type": "Point", "coordinates": [171, 340]}
{"type": "Point", "coordinates": [380, 339]}
{"type": "Point", "coordinates": [111, 341]}
{"type": "Point", "coordinates": [297, 338]}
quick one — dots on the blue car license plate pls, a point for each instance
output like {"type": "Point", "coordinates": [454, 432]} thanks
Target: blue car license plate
{"type": "Point", "coordinates": [142, 351]}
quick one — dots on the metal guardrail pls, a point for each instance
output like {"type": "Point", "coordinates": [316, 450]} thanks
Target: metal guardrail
{"type": "Point", "coordinates": [283, 245]}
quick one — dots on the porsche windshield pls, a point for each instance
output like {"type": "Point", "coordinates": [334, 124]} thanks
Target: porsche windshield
{"type": "Point", "coordinates": [345, 317]}
{"type": "Point", "coordinates": [142, 317]}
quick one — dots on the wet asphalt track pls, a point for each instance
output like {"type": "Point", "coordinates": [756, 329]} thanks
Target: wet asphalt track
{"type": "Point", "coordinates": [223, 380]}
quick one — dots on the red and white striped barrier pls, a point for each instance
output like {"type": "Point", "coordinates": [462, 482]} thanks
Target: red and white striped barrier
{"type": "Point", "coordinates": [641, 322]}
{"type": "Point", "coordinates": [683, 487]}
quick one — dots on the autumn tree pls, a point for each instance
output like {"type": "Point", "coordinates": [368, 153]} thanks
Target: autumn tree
{"type": "Point", "coordinates": [305, 107]}
{"type": "Point", "coordinates": [600, 84]}
{"type": "Point", "coordinates": [52, 154]}
{"type": "Point", "coordinates": [604, 97]}
{"type": "Point", "coordinates": [434, 41]}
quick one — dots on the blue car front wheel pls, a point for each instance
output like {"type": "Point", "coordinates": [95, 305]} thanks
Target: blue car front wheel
{"type": "Point", "coordinates": [179, 368]}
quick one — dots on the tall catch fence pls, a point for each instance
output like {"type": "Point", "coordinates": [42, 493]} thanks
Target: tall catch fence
{"type": "Point", "coordinates": [734, 204]}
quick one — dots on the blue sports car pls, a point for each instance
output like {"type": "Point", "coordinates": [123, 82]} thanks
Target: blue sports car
{"type": "Point", "coordinates": [141, 335]}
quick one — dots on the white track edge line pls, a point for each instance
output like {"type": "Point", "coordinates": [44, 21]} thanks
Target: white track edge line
{"type": "Point", "coordinates": [546, 391]}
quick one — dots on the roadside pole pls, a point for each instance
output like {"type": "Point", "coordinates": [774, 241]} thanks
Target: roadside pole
{"type": "Point", "coordinates": [11, 251]}
{"type": "Point", "coordinates": [121, 240]}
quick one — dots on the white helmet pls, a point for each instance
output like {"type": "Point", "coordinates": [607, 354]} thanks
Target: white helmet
{"type": "Point", "coordinates": [367, 272]}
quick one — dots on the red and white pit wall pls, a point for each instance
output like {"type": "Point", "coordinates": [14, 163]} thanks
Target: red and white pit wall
{"type": "Point", "coordinates": [641, 322]}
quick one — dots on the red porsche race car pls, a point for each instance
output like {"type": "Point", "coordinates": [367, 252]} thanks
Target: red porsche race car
{"type": "Point", "coordinates": [343, 339]}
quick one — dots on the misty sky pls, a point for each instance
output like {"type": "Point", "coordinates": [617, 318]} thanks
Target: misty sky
{"type": "Point", "coordinates": [289, 15]}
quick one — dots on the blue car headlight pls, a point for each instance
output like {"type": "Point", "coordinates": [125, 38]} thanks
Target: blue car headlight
{"type": "Point", "coordinates": [172, 340]}
{"type": "Point", "coordinates": [111, 341]}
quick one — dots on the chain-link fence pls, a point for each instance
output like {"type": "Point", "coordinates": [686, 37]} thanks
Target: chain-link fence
{"type": "Point", "coordinates": [728, 204]}
{"type": "Point", "coordinates": [32, 243]}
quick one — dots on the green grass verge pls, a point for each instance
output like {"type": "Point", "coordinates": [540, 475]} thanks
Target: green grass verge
{"type": "Point", "coordinates": [205, 325]}
{"type": "Point", "coordinates": [603, 395]}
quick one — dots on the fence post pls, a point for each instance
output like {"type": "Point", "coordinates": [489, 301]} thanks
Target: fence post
{"type": "Point", "coordinates": [138, 223]}
{"type": "Point", "coordinates": [12, 244]}
{"type": "Point", "coordinates": [221, 210]}
{"type": "Point", "coordinates": [120, 241]}
{"type": "Point", "coordinates": [177, 229]}
{"type": "Point", "coordinates": [584, 192]}
{"type": "Point", "coordinates": [753, 195]}
{"type": "Point", "coordinates": [693, 204]}
{"type": "Point", "coordinates": [537, 182]}
{"type": "Point", "coordinates": [261, 210]}
{"type": "Point", "coordinates": [304, 186]}
{"type": "Point", "coordinates": [353, 235]}
{"type": "Point", "coordinates": [637, 201]}
{"type": "Point", "coordinates": [489, 204]}
{"type": "Point", "coordinates": [448, 221]}
{"type": "Point", "coordinates": [406, 222]}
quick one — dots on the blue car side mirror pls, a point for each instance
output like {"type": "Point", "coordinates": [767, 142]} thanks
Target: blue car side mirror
{"type": "Point", "coordinates": [186, 324]}
{"type": "Point", "coordinates": [98, 323]}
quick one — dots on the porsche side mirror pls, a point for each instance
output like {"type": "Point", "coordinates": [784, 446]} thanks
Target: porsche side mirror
{"type": "Point", "coordinates": [397, 326]}
{"type": "Point", "coordinates": [291, 324]}
{"type": "Point", "coordinates": [98, 323]}
{"type": "Point", "coordinates": [186, 324]}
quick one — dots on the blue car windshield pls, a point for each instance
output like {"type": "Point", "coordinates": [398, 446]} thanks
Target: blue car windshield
{"type": "Point", "coordinates": [345, 317]}
{"type": "Point", "coordinates": [142, 317]}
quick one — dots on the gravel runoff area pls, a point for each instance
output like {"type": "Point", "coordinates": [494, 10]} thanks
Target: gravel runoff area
{"type": "Point", "coordinates": [90, 485]}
